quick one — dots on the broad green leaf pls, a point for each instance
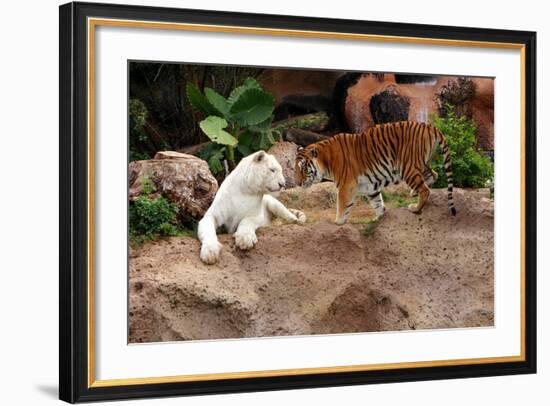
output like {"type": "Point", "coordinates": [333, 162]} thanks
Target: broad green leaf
{"type": "Point", "coordinates": [218, 101]}
{"type": "Point", "coordinates": [213, 127]}
{"type": "Point", "coordinates": [252, 107]}
{"type": "Point", "coordinates": [248, 83]}
{"type": "Point", "coordinates": [235, 94]}
{"type": "Point", "coordinates": [246, 138]}
{"type": "Point", "coordinates": [199, 102]}
{"type": "Point", "coordinates": [244, 149]}
{"type": "Point", "coordinates": [251, 83]}
{"type": "Point", "coordinates": [263, 126]}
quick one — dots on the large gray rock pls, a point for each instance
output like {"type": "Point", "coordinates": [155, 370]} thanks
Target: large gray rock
{"type": "Point", "coordinates": [182, 179]}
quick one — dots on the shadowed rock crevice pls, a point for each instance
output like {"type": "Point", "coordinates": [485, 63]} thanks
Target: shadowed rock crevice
{"type": "Point", "coordinates": [389, 106]}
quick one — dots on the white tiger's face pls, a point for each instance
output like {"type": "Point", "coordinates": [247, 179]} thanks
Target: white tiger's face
{"type": "Point", "coordinates": [265, 174]}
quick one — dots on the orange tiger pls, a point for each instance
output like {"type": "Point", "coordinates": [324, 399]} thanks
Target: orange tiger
{"type": "Point", "coordinates": [365, 163]}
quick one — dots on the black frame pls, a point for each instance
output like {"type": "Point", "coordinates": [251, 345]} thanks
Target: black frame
{"type": "Point", "coordinates": [73, 289]}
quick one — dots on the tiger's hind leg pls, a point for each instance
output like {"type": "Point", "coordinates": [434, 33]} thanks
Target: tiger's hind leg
{"type": "Point", "coordinates": [418, 185]}
{"type": "Point", "coordinates": [377, 203]}
{"type": "Point", "coordinates": [346, 198]}
{"type": "Point", "coordinates": [430, 177]}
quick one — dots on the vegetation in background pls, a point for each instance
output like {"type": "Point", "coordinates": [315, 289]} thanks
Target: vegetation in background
{"type": "Point", "coordinates": [237, 125]}
{"type": "Point", "coordinates": [153, 217]}
{"type": "Point", "coordinates": [171, 123]}
{"type": "Point", "coordinates": [471, 168]}
{"type": "Point", "coordinates": [137, 113]}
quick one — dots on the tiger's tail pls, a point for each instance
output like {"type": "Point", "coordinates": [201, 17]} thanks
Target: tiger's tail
{"type": "Point", "coordinates": [448, 170]}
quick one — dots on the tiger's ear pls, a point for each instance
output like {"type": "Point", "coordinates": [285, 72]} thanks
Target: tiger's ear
{"type": "Point", "coordinates": [260, 156]}
{"type": "Point", "coordinates": [313, 152]}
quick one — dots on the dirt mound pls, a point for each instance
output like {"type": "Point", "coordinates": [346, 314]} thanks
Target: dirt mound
{"type": "Point", "coordinates": [359, 308]}
{"type": "Point", "coordinates": [403, 272]}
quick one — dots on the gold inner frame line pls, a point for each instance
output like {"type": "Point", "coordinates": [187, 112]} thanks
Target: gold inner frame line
{"type": "Point", "coordinates": [94, 22]}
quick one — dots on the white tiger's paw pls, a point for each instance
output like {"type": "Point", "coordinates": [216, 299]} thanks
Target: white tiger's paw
{"type": "Point", "coordinates": [300, 216]}
{"type": "Point", "coordinates": [245, 241]}
{"type": "Point", "coordinates": [210, 252]}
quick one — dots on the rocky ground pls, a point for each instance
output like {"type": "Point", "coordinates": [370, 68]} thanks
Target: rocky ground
{"type": "Point", "coordinates": [404, 272]}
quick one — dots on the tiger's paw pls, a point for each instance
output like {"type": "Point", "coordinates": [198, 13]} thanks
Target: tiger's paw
{"type": "Point", "coordinates": [414, 208]}
{"type": "Point", "coordinates": [340, 221]}
{"type": "Point", "coordinates": [300, 216]}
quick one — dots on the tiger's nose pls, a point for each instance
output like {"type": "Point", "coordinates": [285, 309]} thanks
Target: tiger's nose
{"type": "Point", "coordinates": [281, 185]}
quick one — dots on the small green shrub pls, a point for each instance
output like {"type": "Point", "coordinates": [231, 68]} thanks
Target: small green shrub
{"type": "Point", "coordinates": [150, 218]}
{"type": "Point", "coordinates": [148, 186]}
{"type": "Point", "coordinates": [471, 168]}
{"type": "Point", "coordinates": [137, 113]}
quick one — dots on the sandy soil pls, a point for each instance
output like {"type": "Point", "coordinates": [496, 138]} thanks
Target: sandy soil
{"type": "Point", "coordinates": [403, 272]}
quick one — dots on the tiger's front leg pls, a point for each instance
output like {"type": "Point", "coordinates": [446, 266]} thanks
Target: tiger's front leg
{"type": "Point", "coordinates": [245, 236]}
{"type": "Point", "coordinates": [346, 198]}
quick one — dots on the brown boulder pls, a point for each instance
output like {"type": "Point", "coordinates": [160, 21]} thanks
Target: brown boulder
{"type": "Point", "coordinates": [285, 153]}
{"type": "Point", "coordinates": [182, 179]}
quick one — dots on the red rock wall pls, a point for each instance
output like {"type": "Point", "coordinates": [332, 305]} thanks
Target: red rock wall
{"type": "Point", "coordinates": [423, 102]}
{"type": "Point", "coordinates": [422, 96]}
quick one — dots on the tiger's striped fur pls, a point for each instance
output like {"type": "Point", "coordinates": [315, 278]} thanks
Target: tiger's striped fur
{"type": "Point", "coordinates": [365, 163]}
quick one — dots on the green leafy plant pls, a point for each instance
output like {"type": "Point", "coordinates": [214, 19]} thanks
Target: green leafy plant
{"type": "Point", "coordinates": [148, 186]}
{"type": "Point", "coordinates": [471, 167]}
{"type": "Point", "coordinates": [152, 217]}
{"type": "Point", "coordinates": [137, 113]}
{"type": "Point", "coordinates": [237, 125]}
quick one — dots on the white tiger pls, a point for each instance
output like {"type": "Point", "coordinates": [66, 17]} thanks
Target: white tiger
{"type": "Point", "coordinates": [243, 204]}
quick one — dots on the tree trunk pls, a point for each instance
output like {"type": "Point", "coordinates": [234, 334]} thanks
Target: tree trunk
{"type": "Point", "coordinates": [303, 137]}
{"type": "Point", "coordinates": [311, 122]}
{"type": "Point", "coordinates": [194, 149]}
